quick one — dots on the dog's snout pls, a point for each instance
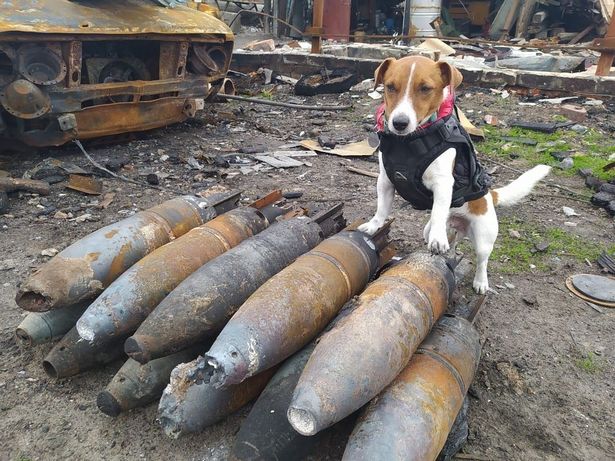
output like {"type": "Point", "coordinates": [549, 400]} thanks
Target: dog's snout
{"type": "Point", "coordinates": [401, 122]}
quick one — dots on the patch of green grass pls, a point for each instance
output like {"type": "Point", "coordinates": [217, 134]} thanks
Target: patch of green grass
{"type": "Point", "coordinates": [590, 150]}
{"type": "Point", "coordinates": [518, 253]}
{"type": "Point", "coordinates": [590, 363]}
{"type": "Point", "coordinates": [267, 94]}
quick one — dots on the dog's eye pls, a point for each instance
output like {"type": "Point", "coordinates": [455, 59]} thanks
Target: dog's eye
{"type": "Point", "coordinates": [391, 88]}
{"type": "Point", "coordinates": [425, 89]}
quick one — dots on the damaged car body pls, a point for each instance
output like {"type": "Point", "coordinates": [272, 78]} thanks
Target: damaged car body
{"type": "Point", "coordinates": [89, 68]}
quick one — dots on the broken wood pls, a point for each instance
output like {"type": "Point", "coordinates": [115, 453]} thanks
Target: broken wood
{"type": "Point", "coordinates": [525, 16]}
{"type": "Point", "coordinates": [581, 34]}
{"type": "Point", "coordinates": [607, 49]}
{"type": "Point", "coordinates": [354, 169]}
{"type": "Point", "coordinates": [28, 185]}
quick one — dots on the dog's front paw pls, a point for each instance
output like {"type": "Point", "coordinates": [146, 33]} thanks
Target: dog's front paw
{"type": "Point", "coordinates": [371, 226]}
{"type": "Point", "coordinates": [438, 242]}
{"type": "Point", "coordinates": [480, 285]}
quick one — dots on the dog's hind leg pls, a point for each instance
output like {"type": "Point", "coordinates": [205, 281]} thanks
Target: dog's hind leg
{"type": "Point", "coordinates": [483, 232]}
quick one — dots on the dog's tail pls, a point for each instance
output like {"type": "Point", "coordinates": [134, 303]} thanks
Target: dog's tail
{"type": "Point", "coordinates": [520, 187]}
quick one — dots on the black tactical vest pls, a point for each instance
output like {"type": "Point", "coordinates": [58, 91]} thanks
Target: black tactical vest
{"type": "Point", "coordinates": [406, 158]}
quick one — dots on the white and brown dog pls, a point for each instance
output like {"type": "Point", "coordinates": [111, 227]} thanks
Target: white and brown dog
{"type": "Point", "coordinates": [418, 99]}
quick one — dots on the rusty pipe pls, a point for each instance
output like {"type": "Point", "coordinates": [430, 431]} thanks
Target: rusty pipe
{"type": "Point", "coordinates": [187, 407]}
{"type": "Point", "coordinates": [292, 307]}
{"type": "Point", "coordinates": [136, 385]}
{"type": "Point", "coordinates": [89, 265]}
{"type": "Point", "coordinates": [411, 419]}
{"type": "Point", "coordinates": [365, 351]}
{"type": "Point", "coordinates": [72, 355]}
{"type": "Point", "coordinates": [44, 327]}
{"type": "Point", "coordinates": [203, 302]}
{"type": "Point", "coordinates": [266, 434]}
{"type": "Point", "coordinates": [121, 308]}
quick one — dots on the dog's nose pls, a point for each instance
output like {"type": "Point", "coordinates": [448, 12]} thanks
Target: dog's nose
{"type": "Point", "coordinates": [400, 123]}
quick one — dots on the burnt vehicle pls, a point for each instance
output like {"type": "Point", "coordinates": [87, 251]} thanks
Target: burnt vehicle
{"type": "Point", "coordinates": [80, 69]}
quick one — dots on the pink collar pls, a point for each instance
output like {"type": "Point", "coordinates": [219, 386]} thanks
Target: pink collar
{"type": "Point", "coordinates": [445, 109]}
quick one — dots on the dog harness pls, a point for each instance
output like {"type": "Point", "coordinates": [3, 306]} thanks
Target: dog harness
{"type": "Point", "coordinates": [406, 158]}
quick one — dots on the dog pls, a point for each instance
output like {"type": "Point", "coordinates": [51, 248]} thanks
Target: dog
{"type": "Point", "coordinates": [417, 112]}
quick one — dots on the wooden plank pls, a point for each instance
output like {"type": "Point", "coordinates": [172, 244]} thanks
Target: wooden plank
{"type": "Point", "coordinates": [527, 11]}
{"type": "Point", "coordinates": [606, 58]}
{"type": "Point", "coordinates": [354, 169]}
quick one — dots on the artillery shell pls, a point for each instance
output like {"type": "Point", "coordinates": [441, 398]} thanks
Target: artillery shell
{"type": "Point", "coordinates": [187, 407]}
{"type": "Point", "coordinates": [121, 308]}
{"type": "Point", "coordinates": [292, 307]}
{"type": "Point", "coordinates": [86, 267]}
{"type": "Point", "coordinates": [411, 419]}
{"type": "Point", "coordinates": [73, 355]}
{"type": "Point", "coordinates": [366, 350]}
{"type": "Point", "coordinates": [203, 303]}
{"type": "Point", "coordinates": [136, 385]}
{"type": "Point", "coordinates": [44, 327]}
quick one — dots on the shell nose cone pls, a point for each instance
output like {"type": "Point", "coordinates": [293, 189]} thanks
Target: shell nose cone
{"type": "Point", "coordinates": [24, 99]}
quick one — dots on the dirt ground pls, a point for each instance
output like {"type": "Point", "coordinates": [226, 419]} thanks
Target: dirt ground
{"type": "Point", "coordinates": [545, 386]}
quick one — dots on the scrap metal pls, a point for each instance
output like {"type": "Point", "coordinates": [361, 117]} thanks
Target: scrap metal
{"type": "Point", "coordinates": [202, 304]}
{"type": "Point", "coordinates": [366, 350]}
{"type": "Point", "coordinates": [89, 265]}
{"type": "Point", "coordinates": [70, 70]}
{"type": "Point", "coordinates": [296, 304]}
{"type": "Point", "coordinates": [412, 418]}
{"type": "Point", "coordinates": [121, 308]}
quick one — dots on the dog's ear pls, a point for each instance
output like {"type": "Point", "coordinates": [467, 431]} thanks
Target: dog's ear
{"type": "Point", "coordinates": [382, 69]}
{"type": "Point", "coordinates": [450, 74]}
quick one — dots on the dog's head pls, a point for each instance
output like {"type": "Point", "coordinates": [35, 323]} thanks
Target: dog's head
{"type": "Point", "coordinates": [414, 88]}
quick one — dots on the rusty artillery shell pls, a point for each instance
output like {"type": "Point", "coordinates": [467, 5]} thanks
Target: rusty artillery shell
{"type": "Point", "coordinates": [73, 355]}
{"type": "Point", "coordinates": [292, 307]}
{"type": "Point", "coordinates": [203, 303]}
{"type": "Point", "coordinates": [366, 350]}
{"type": "Point", "coordinates": [187, 407]}
{"type": "Point", "coordinates": [86, 267]}
{"type": "Point", "coordinates": [121, 308]}
{"type": "Point", "coordinates": [136, 385]}
{"type": "Point", "coordinates": [411, 419]}
{"type": "Point", "coordinates": [266, 434]}
{"type": "Point", "coordinates": [44, 327]}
